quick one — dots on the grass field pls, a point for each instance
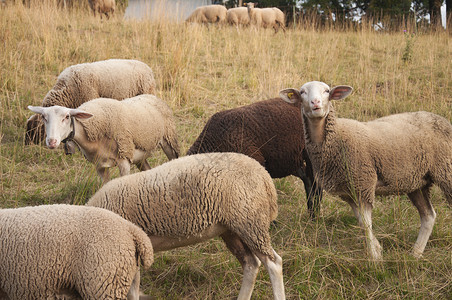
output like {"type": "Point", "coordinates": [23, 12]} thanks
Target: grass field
{"type": "Point", "coordinates": [201, 70]}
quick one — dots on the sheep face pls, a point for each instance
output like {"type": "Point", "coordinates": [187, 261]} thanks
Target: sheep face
{"type": "Point", "coordinates": [57, 122]}
{"type": "Point", "coordinates": [315, 97]}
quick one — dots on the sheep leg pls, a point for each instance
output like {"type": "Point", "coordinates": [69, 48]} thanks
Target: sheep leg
{"type": "Point", "coordinates": [311, 186]}
{"type": "Point", "coordinates": [104, 174]}
{"type": "Point", "coordinates": [249, 262]}
{"type": "Point", "coordinates": [124, 167]}
{"type": "Point", "coordinates": [363, 212]}
{"type": "Point", "coordinates": [427, 213]}
{"type": "Point", "coordinates": [169, 151]}
{"type": "Point", "coordinates": [313, 193]}
{"type": "Point", "coordinates": [143, 165]}
{"type": "Point", "coordinates": [134, 292]}
{"type": "Point", "coordinates": [274, 269]}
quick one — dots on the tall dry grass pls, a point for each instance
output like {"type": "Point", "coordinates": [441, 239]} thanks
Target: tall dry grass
{"type": "Point", "coordinates": [204, 69]}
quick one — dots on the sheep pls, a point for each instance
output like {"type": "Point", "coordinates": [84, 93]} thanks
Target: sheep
{"type": "Point", "coordinates": [396, 154]}
{"type": "Point", "coordinates": [270, 131]}
{"type": "Point", "coordinates": [208, 14]}
{"type": "Point", "coordinates": [195, 198]}
{"type": "Point", "coordinates": [70, 252]}
{"type": "Point", "coordinates": [238, 16]}
{"type": "Point", "coordinates": [102, 7]}
{"type": "Point", "coordinates": [266, 17]}
{"type": "Point", "coordinates": [119, 132]}
{"type": "Point", "coordinates": [113, 78]}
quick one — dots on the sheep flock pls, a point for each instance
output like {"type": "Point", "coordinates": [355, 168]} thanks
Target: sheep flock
{"type": "Point", "coordinates": [222, 187]}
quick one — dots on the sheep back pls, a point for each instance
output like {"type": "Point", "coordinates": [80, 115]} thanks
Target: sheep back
{"type": "Point", "coordinates": [208, 14]}
{"type": "Point", "coordinates": [270, 131]}
{"type": "Point", "coordinates": [77, 84]}
{"type": "Point", "coordinates": [141, 122]}
{"type": "Point", "coordinates": [51, 250]}
{"type": "Point", "coordinates": [185, 196]}
{"type": "Point", "coordinates": [113, 78]}
{"type": "Point", "coordinates": [404, 152]}
{"type": "Point", "coordinates": [238, 16]}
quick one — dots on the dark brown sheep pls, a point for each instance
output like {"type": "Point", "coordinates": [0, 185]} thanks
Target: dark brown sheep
{"type": "Point", "coordinates": [270, 131]}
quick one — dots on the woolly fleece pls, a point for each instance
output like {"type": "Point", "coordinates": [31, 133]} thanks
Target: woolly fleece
{"type": "Point", "coordinates": [208, 14]}
{"type": "Point", "coordinates": [269, 17]}
{"type": "Point", "coordinates": [238, 16]}
{"type": "Point", "coordinates": [270, 131]}
{"type": "Point", "coordinates": [113, 78]}
{"type": "Point", "coordinates": [142, 122]}
{"type": "Point", "coordinates": [185, 196]}
{"type": "Point", "coordinates": [405, 152]}
{"type": "Point", "coordinates": [53, 250]}
{"type": "Point", "coordinates": [77, 84]}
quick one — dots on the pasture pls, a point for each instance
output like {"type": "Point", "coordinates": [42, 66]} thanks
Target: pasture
{"type": "Point", "coordinates": [204, 69]}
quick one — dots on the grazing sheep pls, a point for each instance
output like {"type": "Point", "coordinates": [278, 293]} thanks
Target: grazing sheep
{"type": "Point", "coordinates": [271, 132]}
{"type": "Point", "coordinates": [238, 16]}
{"type": "Point", "coordinates": [119, 132]}
{"type": "Point", "coordinates": [397, 154]}
{"type": "Point", "coordinates": [208, 14]}
{"type": "Point", "coordinates": [198, 197]}
{"type": "Point", "coordinates": [70, 252]}
{"type": "Point", "coordinates": [102, 7]}
{"type": "Point", "coordinates": [113, 78]}
{"type": "Point", "coordinates": [270, 17]}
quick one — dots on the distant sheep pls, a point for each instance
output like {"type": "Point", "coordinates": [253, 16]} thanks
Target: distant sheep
{"type": "Point", "coordinates": [111, 132]}
{"type": "Point", "coordinates": [270, 17]}
{"type": "Point", "coordinates": [70, 252]}
{"type": "Point", "coordinates": [270, 131]}
{"type": "Point", "coordinates": [398, 154]}
{"type": "Point", "coordinates": [195, 198]}
{"type": "Point", "coordinates": [106, 7]}
{"type": "Point", "coordinates": [208, 14]}
{"type": "Point", "coordinates": [238, 16]}
{"type": "Point", "coordinates": [114, 78]}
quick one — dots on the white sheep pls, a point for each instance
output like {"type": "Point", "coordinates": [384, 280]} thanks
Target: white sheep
{"type": "Point", "coordinates": [198, 197]}
{"type": "Point", "coordinates": [398, 154]}
{"type": "Point", "coordinates": [102, 7]}
{"type": "Point", "coordinates": [114, 78]}
{"type": "Point", "coordinates": [269, 17]}
{"type": "Point", "coordinates": [111, 132]}
{"type": "Point", "coordinates": [238, 16]}
{"type": "Point", "coordinates": [208, 14]}
{"type": "Point", "coordinates": [70, 252]}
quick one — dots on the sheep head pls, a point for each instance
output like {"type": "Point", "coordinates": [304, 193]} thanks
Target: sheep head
{"type": "Point", "coordinates": [315, 97]}
{"type": "Point", "coordinates": [57, 122]}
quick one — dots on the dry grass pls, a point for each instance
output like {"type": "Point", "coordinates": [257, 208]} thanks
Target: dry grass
{"type": "Point", "coordinates": [201, 70]}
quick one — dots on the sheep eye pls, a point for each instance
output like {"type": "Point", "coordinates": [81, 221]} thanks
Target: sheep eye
{"type": "Point", "coordinates": [302, 92]}
{"type": "Point", "coordinates": [327, 91]}
{"type": "Point", "coordinates": [67, 117]}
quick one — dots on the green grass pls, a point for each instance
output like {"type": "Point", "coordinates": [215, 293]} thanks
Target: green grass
{"type": "Point", "coordinates": [201, 70]}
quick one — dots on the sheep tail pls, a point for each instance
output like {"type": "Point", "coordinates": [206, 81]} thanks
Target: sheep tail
{"type": "Point", "coordinates": [170, 146]}
{"type": "Point", "coordinates": [271, 192]}
{"type": "Point", "coordinates": [143, 246]}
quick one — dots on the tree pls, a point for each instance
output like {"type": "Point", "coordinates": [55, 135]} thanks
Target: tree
{"type": "Point", "coordinates": [448, 14]}
{"type": "Point", "coordinates": [435, 12]}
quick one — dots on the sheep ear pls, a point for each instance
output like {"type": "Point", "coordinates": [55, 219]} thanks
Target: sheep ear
{"type": "Point", "coordinates": [80, 114]}
{"type": "Point", "coordinates": [36, 109]}
{"type": "Point", "coordinates": [340, 92]}
{"type": "Point", "coordinates": [290, 95]}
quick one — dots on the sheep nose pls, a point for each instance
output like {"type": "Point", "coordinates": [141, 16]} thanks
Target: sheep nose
{"type": "Point", "coordinates": [52, 143]}
{"type": "Point", "coordinates": [315, 102]}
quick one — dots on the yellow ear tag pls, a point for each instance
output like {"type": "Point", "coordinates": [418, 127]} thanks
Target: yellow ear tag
{"type": "Point", "coordinates": [290, 95]}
